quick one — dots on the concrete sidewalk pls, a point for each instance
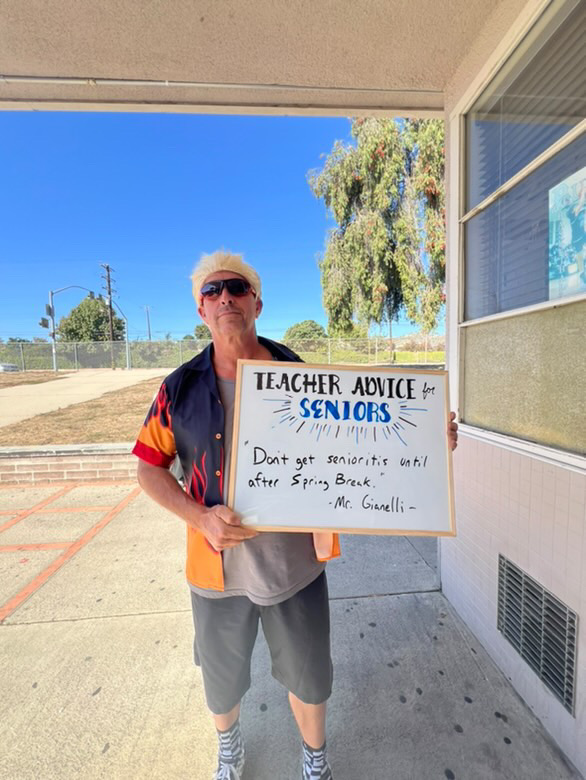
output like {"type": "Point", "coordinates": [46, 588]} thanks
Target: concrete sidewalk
{"type": "Point", "coordinates": [98, 680]}
{"type": "Point", "coordinates": [24, 401]}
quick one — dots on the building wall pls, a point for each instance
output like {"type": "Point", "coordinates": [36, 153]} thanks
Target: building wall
{"type": "Point", "coordinates": [534, 513]}
{"type": "Point", "coordinates": [527, 505]}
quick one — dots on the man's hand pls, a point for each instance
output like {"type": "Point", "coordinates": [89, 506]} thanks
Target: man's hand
{"type": "Point", "coordinates": [452, 432]}
{"type": "Point", "coordinates": [223, 528]}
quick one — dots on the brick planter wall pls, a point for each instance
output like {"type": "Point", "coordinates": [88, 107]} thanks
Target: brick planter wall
{"type": "Point", "coordinates": [77, 463]}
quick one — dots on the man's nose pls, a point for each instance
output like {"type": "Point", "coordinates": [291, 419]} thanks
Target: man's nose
{"type": "Point", "coordinates": [225, 296]}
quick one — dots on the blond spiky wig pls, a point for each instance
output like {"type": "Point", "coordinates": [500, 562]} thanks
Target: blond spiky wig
{"type": "Point", "coordinates": [222, 261]}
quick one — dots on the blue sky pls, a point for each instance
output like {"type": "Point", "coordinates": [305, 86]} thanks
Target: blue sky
{"type": "Point", "coordinates": [149, 193]}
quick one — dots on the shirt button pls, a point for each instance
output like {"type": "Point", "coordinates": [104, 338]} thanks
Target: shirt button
{"type": "Point", "coordinates": [218, 435]}
{"type": "Point", "coordinates": [218, 473]}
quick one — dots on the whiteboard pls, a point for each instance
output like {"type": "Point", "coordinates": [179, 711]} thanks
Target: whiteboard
{"type": "Point", "coordinates": [354, 449]}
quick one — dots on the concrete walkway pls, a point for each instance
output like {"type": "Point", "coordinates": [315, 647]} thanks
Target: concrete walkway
{"type": "Point", "coordinates": [98, 680]}
{"type": "Point", "coordinates": [24, 401]}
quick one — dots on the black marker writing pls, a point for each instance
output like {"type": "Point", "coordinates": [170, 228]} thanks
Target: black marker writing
{"type": "Point", "coordinates": [427, 390]}
{"type": "Point", "coordinates": [305, 482]}
{"type": "Point", "coordinates": [261, 481]}
{"type": "Point", "coordinates": [320, 384]}
{"type": "Point", "coordinates": [394, 505]}
{"type": "Point", "coordinates": [262, 456]}
{"type": "Point", "coordinates": [417, 462]}
{"type": "Point", "coordinates": [387, 387]}
{"type": "Point", "coordinates": [342, 479]}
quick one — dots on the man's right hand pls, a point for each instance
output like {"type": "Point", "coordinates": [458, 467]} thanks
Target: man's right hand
{"type": "Point", "coordinates": [223, 528]}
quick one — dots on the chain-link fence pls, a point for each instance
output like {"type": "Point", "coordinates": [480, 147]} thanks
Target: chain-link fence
{"type": "Point", "coordinates": [70, 356]}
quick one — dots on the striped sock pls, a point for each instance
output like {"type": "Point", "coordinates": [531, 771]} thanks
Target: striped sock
{"type": "Point", "coordinates": [315, 763]}
{"type": "Point", "coordinates": [231, 747]}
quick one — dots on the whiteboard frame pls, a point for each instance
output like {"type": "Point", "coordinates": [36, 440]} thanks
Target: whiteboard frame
{"type": "Point", "coordinates": [355, 367]}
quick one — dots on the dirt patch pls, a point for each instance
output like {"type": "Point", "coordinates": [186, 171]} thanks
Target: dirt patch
{"type": "Point", "coordinates": [114, 417]}
{"type": "Point", "coordinates": [29, 377]}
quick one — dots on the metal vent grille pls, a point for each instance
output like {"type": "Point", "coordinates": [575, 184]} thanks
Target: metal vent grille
{"type": "Point", "coordinates": [541, 628]}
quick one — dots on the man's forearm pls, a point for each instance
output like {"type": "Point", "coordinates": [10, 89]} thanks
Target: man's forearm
{"type": "Point", "coordinates": [162, 487]}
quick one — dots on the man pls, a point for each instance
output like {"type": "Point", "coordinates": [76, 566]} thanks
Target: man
{"type": "Point", "coordinates": [238, 577]}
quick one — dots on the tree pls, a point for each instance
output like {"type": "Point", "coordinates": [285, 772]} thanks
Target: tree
{"type": "Point", "coordinates": [202, 331]}
{"type": "Point", "coordinates": [387, 254]}
{"type": "Point", "coordinates": [358, 330]}
{"type": "Point", "coordinates": [89, 321]}
{"type": "Point", "coordinates": [16, 340]}
{"type": "Point", "coordinates": [189, 337]}
{"type": "Point", "coordinates": [308, 329]}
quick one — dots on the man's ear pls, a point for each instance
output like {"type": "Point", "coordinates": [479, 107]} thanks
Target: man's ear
{"type": "Point", "coordinates": [201, 313]}
{"type": "Point", "coordinates": [258, 307]}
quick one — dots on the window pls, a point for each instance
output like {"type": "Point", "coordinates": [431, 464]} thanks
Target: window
{"type": "Point", "coordinates": [527, 244]}
{"type": "Point", "coordinates": [524, 239]}
{"type": "Point", "coordinates": [536, 98]}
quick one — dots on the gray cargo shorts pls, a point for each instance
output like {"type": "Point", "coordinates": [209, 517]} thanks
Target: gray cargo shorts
{"type": "Point", "coordinates": [297, 632]}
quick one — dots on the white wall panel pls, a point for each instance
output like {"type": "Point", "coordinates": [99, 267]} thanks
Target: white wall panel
{"type": "Point", "coordinates": [534, 513]}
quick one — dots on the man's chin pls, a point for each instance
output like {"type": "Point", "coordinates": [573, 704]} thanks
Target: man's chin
{"type": "Point", "coordinates": [229, 315]}
{"type": "Point", "coordinates": [230, 324]}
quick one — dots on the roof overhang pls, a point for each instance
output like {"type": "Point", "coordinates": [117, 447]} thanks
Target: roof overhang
{"type": "Point", "coordinates": [332, 57]}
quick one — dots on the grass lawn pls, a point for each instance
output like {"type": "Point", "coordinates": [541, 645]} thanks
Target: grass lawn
{"type": "Point", "coordinates": [10, 379]}
{"type": "Point", "coordinates": [114, 417]}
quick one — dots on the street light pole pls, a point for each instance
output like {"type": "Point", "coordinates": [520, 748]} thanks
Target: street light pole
{"type": "Point", "coordinates": [51, 312]}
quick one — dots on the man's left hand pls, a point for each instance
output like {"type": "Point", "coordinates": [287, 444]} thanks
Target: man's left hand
{"type": "Point", "coordinates": [452, 432]}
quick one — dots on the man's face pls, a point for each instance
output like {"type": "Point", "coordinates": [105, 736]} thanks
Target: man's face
{"type": "Point", "coordinates": [229, 314]}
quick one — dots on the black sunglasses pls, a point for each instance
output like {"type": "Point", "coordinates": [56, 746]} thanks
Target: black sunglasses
{"type": "Point", "coordinates": [236, 287]}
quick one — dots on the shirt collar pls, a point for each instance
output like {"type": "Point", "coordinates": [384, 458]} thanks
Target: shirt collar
{"type": "Point", "coordinates": [203, 361]}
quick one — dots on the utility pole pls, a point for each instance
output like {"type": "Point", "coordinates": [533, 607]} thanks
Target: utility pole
{"type": "Point", "coordinates": [109, 291]}
{"type": "Point", "coordinates": [147, 310]}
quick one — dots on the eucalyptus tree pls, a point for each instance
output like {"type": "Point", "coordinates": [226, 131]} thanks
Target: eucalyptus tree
{"type": "Point", "coordinates": [386, 193]}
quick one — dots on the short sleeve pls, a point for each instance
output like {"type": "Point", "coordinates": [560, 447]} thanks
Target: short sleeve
{"type": "Point", "coordinates": [156, 443]}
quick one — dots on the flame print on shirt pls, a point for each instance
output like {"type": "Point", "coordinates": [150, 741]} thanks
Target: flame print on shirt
{"type": "Point", "coordinates": [160, 409]}
{"type": "Point", "coordinates": [198, 483]}
{"type": "Point", "coordinates": [156, 443]}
